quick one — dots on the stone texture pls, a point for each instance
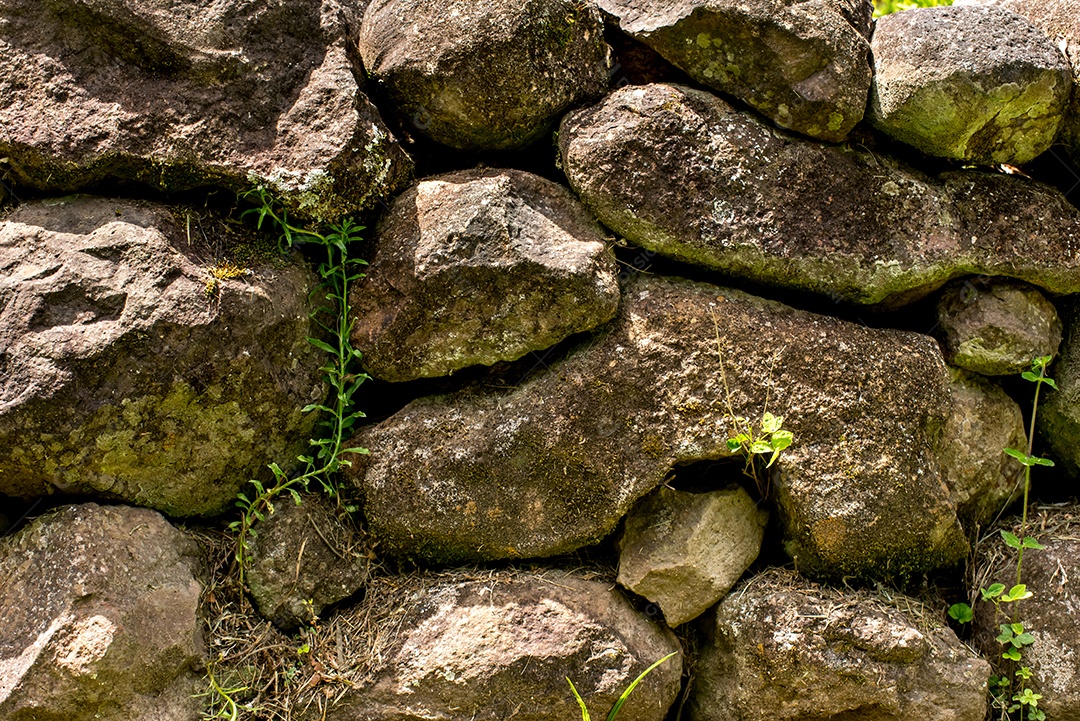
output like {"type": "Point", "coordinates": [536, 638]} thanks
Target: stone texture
{"type": "Point", "coordinates": [782, 649]}
{"type": "Point", "coordinates": [100, 618]}
{"type": "Point", "coordinates": [178, 96]}
{"type": "Point", "coordinates": [680, 172]}
{"type": "Point", "coordinates": [1050, 614]}
{"type": "Point", "coordinates": [984, 421]}
{"type": "Point", "coordinates": [553, 464]}
{"type": "Point", "coordinates": [491, 75]}
{"type": "Point", "coordinates": [501, 646]}
{"type": "Point", "coordinates": [302, 559]}
{"type": "Point", "coordinates": [476, 267]}
{"type": "Point", "coordinates": [996, 328]}
{"type": "Point", "coordinates": [684, 551]}
{"type": "Point", "coordinates": [804, 65]}
{"type": "Point", "coordinates": [1059, 411]}
{"type": "Point", "coordinates": [128, 371]}
{"type": "Point", "coordinates": [971, 83]}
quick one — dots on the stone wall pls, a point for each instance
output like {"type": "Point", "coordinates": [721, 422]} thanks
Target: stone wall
{"type": "Point", "coordinates": [694, 330]}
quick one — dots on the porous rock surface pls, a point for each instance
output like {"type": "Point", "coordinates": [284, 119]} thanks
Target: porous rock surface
{"type": "Point", "coordinates": [680, 172]}
{"type": "Point", "coordinates": [1059, 410]}
{"type": "Point", "coordinates": [1050, 574]}
{"type": "Point", "coordinates": [490, 75]}
{"type": "Point", "coordinates": [476, 267]}
{"type": "Point", "coordinates": [802, 64]}
{"type": "Point", "coordinates": [100, 618]}
{"type": "Point", "coordinates": [502, 646]}
{"type": "Point", "coordinates": [972, 83]}
{"type": "Point", "coordinates": [996, 327]}
{"type": "Point", "coordinates": [553, 464]}
{"type": "Point", "coordinates": [128, 371]}
{"type": "Point", "coordinates": [780, 648]}
{"type": "Point", "coordinates": [683, 551]}
{"type": "Point", "coordinates": [184, 95]}
{"type": "Point", "coordinates": [301, 559]}
{"type": "Point", "coordinates": [984, 421]}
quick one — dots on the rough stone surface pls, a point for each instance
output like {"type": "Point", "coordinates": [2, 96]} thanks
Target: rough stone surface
{"type": "Point", "coordinates": [971, 83]}
{"type": "Point", "coordinates": [785, 650]}
{"type": "Point", "coordinates": [996, 328]}
{"type": "Point", "coordinates": [1050, 614]}
{"type": "Point", "coordinates": [128, 371]}
{"type": "Point", "coordinates": [502, 646]}
{"type": "Point", "coordinates": [302, 559]}
{"type": "Point", "coordinates": [490, 75]}
{"type": "Point", "coordinates": [476, 267]}
{"type": "Point", "coordinates": [984, 421]}
{"type": "Point", "coordinates": [680, 172]}
{"type": "Point", "coordinates": [803, 64]}
{"type": "Point", "coordinates": [684, 551]}
{"type": "Point", "coordinates": [555, 463]}
{"type": "Point", "coordinates": [100, 618]}
{"type": "Point", "coordinates": [184, 95]}
{"type": "Point", "coordinates": [1059, 410]}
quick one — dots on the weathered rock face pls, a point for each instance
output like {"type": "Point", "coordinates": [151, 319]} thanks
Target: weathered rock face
{"type": "Point", "coordinates": [503, 646]}
{"type": "Point", "coordinates": [803, 64]}
{"type": "Point", "coordinates": [680, 172]}
{"type": "Point", "coordinates": [1059, 410]}
{"type": "Point", "coordinates": [185, 95]}
{"type": "Point", "coordinates": [302, 559]}
{"type": "Point", "coordinates": [781, 648]}
{"type": "Point", "coordinates": [996, 328]}
{"type": "Point", "coordinates": [484, 75]}
{"type": "Point", "coordinates": [476, 267]}
{"type": "Point", "coordinates": [128, 371]}
{"type": "Point", "coordinates": [984, 421]}
{"type": "Point", "coordinates": [552, 465]}
{"type": "Point", "coordinates": [1050, 614]}
{"type": "Point", "coordinates": [684, 551]}
{"type": "Point", "coordinates": [970, 83]}
{"type": "Point", "coordinates": [100, 618]}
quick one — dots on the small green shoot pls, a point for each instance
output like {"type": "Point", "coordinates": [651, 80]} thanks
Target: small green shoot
{"type": "Point", "coordinates": [617, 706]}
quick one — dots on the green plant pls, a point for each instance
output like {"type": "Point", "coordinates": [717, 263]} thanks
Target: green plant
{"type": "Point", "coordinates": [1011, 693]}
{"type": "Point", "coordinates": [337, 271]}
{"type": "Point", "coordinates": [887, 7]}
{"type": "Point", "coordinates": [617, 706]}
{"type": "Point", "coordinates": [223, 703]}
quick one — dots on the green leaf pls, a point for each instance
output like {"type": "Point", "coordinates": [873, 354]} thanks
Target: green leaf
{"type": "Point", "coordinates": [1024, 458]}
{"type": "Point", "coordinates": [1050, 382]}
{"type": "Point", "coordinates": [758, 447]}
{"type": "Point", "coordinates": [1017, 593]}
{"type": "Point", "coordinates": [1012, 654]}
{"type": "Point", "coordinates": [322, 345]}
{"type": "Point", "coordinates": [1006, 635]}
{"type": "Point", "coordinates": [1030, 542]}
{"type": "Point", "coordinates": [315, 407]}
{"type": "Point", "coordinates": [1017, 627]}
{"type": "Point", "coordinates": [771, 423]}
{"type": "Point", "coordinates": [1042, 461]}
{"type": "Point", "coordinates": [356, 449]}
{"type": "Point", "coordinates": [1010, 539]}
{"type": "Point", "coordinates": [782, 439]}
{"type": "Point", "coordinates": [581, 702]}
{"type": "Point", "coordinates": [1024, 639]}
{"type": "Point", "coordinates": [630, 689]}
{"type": "Point", "coordinates": [961, 613]}
{"type": "Point", "coordinates": [733, 444]}
{"type": "Point", "coordinates": [1029, 376]}
{"type": "Point", "coordinates": [995, 590]}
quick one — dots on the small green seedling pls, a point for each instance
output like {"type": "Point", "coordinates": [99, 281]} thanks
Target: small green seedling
{"type": "Point", "coordinates": [625, 694]}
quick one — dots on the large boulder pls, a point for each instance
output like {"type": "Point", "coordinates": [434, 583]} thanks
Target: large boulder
{"type": "Point", "coordinates": [684, 551]}
{"type": "Point", "coordinates": [184, 95]}
{"type": "Point", "coordinates": [500, 646]}
{"type": "Point", "coordinates": [100, 608]}
{"type": "Point", "coordinates": [804, 65]}
{"type": "Point", "coordinates": [476, 267]}
{"type": "Point", "coordinates": [682, 173]}
{"type": "Point", "coordinates": [136, 363]}
{"type": "Point", "coordinates": [996, 327]}
{"type": "Point", "coordinates": [302, 558]}
{"type": "Point", "coordinates": [781, 649]}
{"type": "Point", "coordinates": [553, 464]}
{"type": "Point", "coordinates": [971, 83]}
{"type": "Point", "coordinates": [489, 75]}
{"type": "Point", "coordinates": [1050, 615]}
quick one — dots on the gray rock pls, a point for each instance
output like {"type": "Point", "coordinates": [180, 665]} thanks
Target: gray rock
{"type": "Point", "coordinates": [484, 76]}
{"type": "Point", "coordinates": [178, 96]}
{"type": "Point", "coordinates": [680, 172]}
{"type": "Point", "coordinates": [552, 465]}
{"type": "Point", "coordinates": [302, 559]}
{"type": "Point", "coordinates": [502, 646]}
{"type": "Point", "coordinates": [476, 267]}
{"type": "Point", "coordinates": [129, 371]}
{"type": "Point", "coordinates": [971, 83]}
{"type": "Point", "coordinates": [785, 650]}
{"type": "Point", "coordinates": [995, 327]}
{"type": "Point", "coordinates": [684, 551]}
{"type": "Point", "coordinates": [100, 609]}
{"type": "Point", "coordinates": [1050, 614]}
{"type": "Point", "coordinates": [984, 421]}
{"type": "Point", "coordinates": [804, 65]}
{"type": "Point", "coordinates": [1059, 410]}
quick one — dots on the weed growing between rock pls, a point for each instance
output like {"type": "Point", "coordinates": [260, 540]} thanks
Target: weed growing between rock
{"type": "Point", "coordinates": [617, 706]}
{"type": "Point", "coordinates": [1012, 697]}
